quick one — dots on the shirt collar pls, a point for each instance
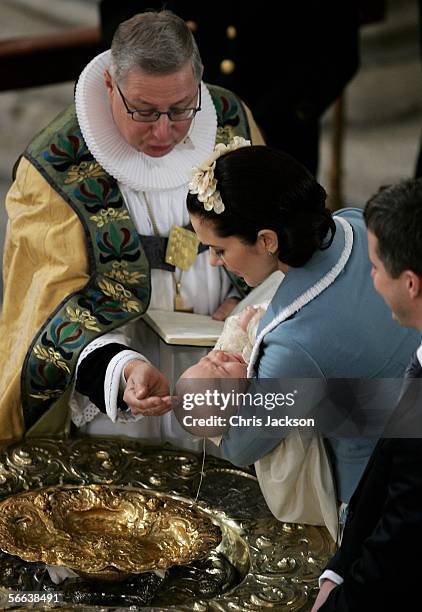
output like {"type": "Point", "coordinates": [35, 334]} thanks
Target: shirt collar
{"type": "Point", "coordinates": [299, 280]}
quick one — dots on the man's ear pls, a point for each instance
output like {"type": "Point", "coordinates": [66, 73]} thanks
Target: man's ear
{"type": "Point", "coordinates": [269, 240]}
{"type": "Point", "coordinates": [108, 81]}
{"type": "Point", "coordinates": [413, 284]}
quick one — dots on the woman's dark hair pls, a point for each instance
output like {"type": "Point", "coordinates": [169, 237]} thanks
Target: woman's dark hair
{"type": "Point", "coordinates": [263, 188]}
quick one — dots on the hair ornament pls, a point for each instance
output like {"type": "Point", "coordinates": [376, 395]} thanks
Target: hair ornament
{"type": "Point", "coordinates": [204, 184]}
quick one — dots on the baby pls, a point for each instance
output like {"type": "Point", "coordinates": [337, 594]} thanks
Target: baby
{"type": "Point", "coordinates": [239, 331]}
{"type": "Point", "coordinates": [232, 351]}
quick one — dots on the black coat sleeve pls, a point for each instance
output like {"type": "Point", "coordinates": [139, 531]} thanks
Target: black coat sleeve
{"type": "Point", "coordinates": [380, 577]}
{"type": "Point", "coordinates": [92, 371]}
{"type": "Point", "coordinates": [335, 565]}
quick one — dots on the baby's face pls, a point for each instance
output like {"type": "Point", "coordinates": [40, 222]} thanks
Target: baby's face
{"type": "Point", "coordinates": [218, 364]}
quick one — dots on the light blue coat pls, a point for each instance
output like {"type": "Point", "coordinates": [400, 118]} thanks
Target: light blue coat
{"type": "Point", "coordinates": [345, 332]}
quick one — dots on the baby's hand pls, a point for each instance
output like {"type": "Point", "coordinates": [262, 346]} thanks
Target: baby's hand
{"type": "Point", "coordinates": [245, 316]}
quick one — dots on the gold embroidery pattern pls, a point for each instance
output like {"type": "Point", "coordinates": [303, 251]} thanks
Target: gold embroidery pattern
{"type": "Point", "coordinates": [121, 274]}
{"type": "Point", "coordinates": [84, 317]}
{"type": "Point", "coordinates": [225, 134]}
{"type": "Point", "coordinates": [83, 171]}
{"type": "Point", "coordinates": [51, 356]}
{"type": "Point", "coordinates": [47, 394]}
{"type": "Point", "coordinates": [120, 294]}
{"type": "Point", "coordinates": [108, 215]}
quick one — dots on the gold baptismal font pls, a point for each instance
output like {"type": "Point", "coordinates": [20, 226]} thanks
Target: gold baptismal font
{"type": "Point", "coordinates": [122, 516]}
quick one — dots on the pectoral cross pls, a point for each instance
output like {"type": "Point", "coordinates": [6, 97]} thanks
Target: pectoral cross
{"type": "Point", "coordinates": [178, 300]}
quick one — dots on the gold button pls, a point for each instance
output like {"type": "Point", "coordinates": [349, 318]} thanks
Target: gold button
{"type": "Point", "coordinates": [231, 32]}
{"type": "Point", "coordinates": [227, 66]}
{"type": "Point", "coordinates": [192, 25]}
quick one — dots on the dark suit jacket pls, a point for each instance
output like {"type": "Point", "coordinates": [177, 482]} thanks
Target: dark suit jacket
{"type": "Point", "coordinates": [383, 528]}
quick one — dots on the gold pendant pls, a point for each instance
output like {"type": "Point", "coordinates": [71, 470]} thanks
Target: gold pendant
{"type": "Point", "coordinates": [182, 247]}
{"type": "Point", "coordinates": [178, 301]}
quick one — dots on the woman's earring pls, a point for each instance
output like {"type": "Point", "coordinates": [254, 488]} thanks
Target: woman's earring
{"type": "Point", "coordinates": [270, 253]}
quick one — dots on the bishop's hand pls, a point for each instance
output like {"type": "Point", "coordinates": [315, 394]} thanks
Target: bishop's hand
{"type": "Point", "coordinates": [147, 389]}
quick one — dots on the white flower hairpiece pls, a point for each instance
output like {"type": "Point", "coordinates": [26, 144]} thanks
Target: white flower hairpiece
{"type": "Point", "coordinates": [204, 183]}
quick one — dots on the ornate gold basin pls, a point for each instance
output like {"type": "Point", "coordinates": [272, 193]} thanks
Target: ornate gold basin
{"type": "Point", "coordinates": [106, 532]}
{"type": "Point", "coordinates": [259, 564]}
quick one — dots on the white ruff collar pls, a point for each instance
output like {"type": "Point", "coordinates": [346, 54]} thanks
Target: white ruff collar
{"type": "Point", "coordinates": [308, 295]}
{"type": "Point", "coordinates": [130, 167]}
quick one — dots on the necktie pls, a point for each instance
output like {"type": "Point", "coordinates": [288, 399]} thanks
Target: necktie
{"type": "Point", "coordinates": [406, 420]}
{"type": "Point", "coordinates": [414, 369]}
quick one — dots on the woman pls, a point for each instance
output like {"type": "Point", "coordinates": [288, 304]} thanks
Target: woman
{"type": "Point", "coordinates": [259, 211]}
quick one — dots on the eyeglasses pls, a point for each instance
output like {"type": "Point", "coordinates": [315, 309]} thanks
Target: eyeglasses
{"type": "Point", "coordinates": [151, 115]}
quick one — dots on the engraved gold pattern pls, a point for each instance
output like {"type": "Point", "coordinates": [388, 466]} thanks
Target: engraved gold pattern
{"type": "Point", "coordinates": [104, 531]}
{"type": "Point", "coordinates": [182, 247]}
{"type": "Point", "coordinates": [278, 563]}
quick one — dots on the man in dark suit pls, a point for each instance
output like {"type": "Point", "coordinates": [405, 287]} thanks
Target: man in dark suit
{"type": "Point", "coordinates": [372, 570]}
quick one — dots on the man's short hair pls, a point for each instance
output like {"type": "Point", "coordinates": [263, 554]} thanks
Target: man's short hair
{"type": "Point", "coordinates": [158, 43]}
{"type": "Point", "coordinates": [394, 216]}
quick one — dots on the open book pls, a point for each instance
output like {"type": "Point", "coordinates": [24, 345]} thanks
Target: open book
{"type": "Point", "coordinates": [184, 328]}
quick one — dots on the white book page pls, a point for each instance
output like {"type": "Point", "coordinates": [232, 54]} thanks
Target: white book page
{"type": "Point", "coordinates": [184, 328]}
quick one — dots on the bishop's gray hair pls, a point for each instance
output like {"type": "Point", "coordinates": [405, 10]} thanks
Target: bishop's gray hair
{"type": "Point", "coordinates": [158, 43]}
